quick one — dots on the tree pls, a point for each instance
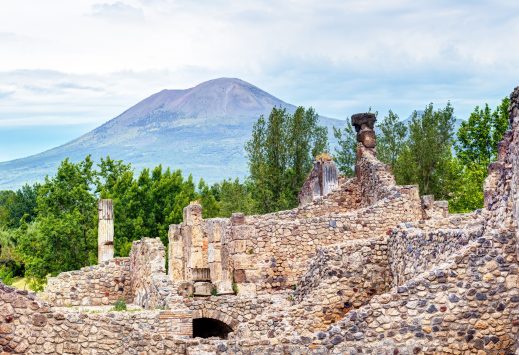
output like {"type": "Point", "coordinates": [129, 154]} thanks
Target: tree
{"type": "Point", "coordinates": [479, 135]}
{"type": "Point", "coordinates": [109, 174]}
{"type": "Point", "coordinates": [208, 199]}
{"type": "Point", "coordinates": [345, 154]}
{"type": "Point", "coordinates": [63, 235]}
{"type": "Point", "coordinates": [391, 141]}
{"type": "Point", "coordinates": [280, 154]}
{"type": "Point", "coordinates": [236, 197]}
{"type": "Point", "coordinates": [476, 147]}
{"type": "Point", "coordinates": [427, 151]}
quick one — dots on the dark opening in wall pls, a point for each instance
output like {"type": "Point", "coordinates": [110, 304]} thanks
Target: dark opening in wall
{"type": "Point", "coordinates": [208, 327]}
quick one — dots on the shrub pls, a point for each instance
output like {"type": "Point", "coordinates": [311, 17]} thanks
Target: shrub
{"type": "Point", "coordinates": [214, 291]}
{"type": "Point", "coordinates": [120, 306]}
{"type": "Point", "coordinates": [6, 275]}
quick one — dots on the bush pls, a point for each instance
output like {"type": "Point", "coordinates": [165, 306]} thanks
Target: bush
{"type": "Point", "coordinates": [120, 306]}
{"type": "Point", "coordinates": [235, 288]}
{"type": "Point", "coordinates": [214, 291]}
{"type": "Point", "coordinates": [6, 275]}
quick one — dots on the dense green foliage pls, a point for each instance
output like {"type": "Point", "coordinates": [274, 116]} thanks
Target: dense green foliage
{"type": "Point", "coordinates": [281, 152]}
{"type": "Point", "coordinates": [422, 152]}
{"type": "Point", "coordinates": [392, 138]}
{"type": "Point", "coordinates": [52, 227]}
{"type": "Point", "coordinates": [346, 152]}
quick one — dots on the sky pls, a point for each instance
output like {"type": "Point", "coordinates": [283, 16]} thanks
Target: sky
{"type": "Point", "coordinates": [68, 66]}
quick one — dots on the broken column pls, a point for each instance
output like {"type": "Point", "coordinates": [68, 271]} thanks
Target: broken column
{"type": "Point", "coordinates": [176, 255]}
{"type": "Point", "coordinates": [105, 231]}
{"type": "Point", "coordinates": [197, 246]}
{"type": "Point", "coordinates": [323, 179]}
{"type": "Point", "coordinates": [364, 124]}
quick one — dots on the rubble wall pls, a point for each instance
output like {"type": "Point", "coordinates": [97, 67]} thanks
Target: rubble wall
{"type": "Point", "coordinates": [339, 278]}
{"type": "Point", "coordinates": [232, 310]}
{"type": "Point", "coordinates": [413, 250]}
{"type": "Point", "coordinates": [149, 283]}
{"type": "Point", "coordinates": [275, 254]}
{"type": "Point", "coordinates": [29, 326]}
{"type": "Point", "coordinates": [97, 285]}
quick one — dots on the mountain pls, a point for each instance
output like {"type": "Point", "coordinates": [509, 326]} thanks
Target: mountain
{"type": "Point", "coordinates": [201, 130]}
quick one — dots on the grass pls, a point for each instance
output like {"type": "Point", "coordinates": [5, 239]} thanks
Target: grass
{"type": "Point", "coordinates": [20, 283]}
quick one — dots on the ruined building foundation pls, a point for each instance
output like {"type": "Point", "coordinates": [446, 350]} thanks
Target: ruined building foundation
{"type": "Point", "coordinates": [363, 265]}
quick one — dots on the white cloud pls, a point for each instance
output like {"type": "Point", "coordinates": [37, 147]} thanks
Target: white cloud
{"type": "Point", "coordinates": [117, 11]}
{"type": "Point", "coordinates": [340, 56]}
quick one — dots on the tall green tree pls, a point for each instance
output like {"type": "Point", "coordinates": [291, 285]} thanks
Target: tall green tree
{"type": "Point", "coordinates": [280, 154]}
{"type": "Point", "coordinates": [236, 197]}
{"type": "Point", "coordinates": [391, 140]}
{"type": "Point", "coordinates": [346, 153]}
{"type": "Point", "coordinates": [65, 236]}
{"type": "Point", "coordinates": [476, 147]}
{"type": "Point", "coordinates": [424, 160]}
{"type": "Point", "coordinates": [479, 135]}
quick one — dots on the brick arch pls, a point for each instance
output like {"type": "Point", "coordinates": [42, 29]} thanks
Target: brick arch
{"type": "Point", "coordinates": [216, 314]}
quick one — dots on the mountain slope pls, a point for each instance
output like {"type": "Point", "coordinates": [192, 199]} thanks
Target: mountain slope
{"type": "Point", "coordinates": [201, 130]}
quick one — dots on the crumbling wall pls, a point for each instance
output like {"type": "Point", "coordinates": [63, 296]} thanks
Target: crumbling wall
{"type": "Point", "coordinates": [340, 278]}
{"type": "Point", "coordinates": [414, 250]}
{"type": "Point", "coordinates": [264, 253]}
{"type": "Point", "coordinates": [230, 309]}
{"type": "Point", "coordinates": [102, 284]}
{"type": "Point", "coordinates": [150, 286]}
{"type": "Point", "coordinates": [29, 326]}
{"type": "Point", "coordinates": [322, 180]}
{"type": "Point", "coordinates": [277, 253]}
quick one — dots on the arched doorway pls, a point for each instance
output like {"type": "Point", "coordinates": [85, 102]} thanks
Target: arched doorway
{"type": "Point", "coordinates": [209, 327]}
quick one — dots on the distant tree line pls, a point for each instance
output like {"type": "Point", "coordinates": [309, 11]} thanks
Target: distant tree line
{"type": "Point", "coordinates": [51, 227]}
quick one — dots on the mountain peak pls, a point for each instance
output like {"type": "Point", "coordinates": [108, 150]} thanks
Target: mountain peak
{"type": "Point", "coordinates": [199, 130]}
{"type": "Point", "coordinates": [221, 97]}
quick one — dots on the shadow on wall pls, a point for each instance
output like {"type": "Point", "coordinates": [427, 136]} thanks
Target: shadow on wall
{"type": "Point", "coordinates": [209, 327]}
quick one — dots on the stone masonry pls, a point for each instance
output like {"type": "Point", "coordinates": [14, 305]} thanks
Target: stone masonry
{"type": "Point", "coordinates": [361, 266]}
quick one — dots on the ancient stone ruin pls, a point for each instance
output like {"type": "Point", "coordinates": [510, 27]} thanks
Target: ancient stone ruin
{"type": "Point", "coordinates": [361, 266]}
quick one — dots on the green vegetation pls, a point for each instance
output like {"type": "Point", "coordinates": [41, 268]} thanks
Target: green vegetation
{"type": "Point", "coordinates": [281, 153]}
{"type": "Point", "coordinates": [120, 306]}
{"type": "Point", "coordinates": [214, 291]}
{"type": "Point", "coordinates": [51, 227]}
{"type": "Point", "coordinates": [426, 152]}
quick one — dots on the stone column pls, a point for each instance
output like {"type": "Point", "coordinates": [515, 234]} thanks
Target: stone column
{"type": "Point", "coordinates": [176, 257]}
{"type": "Point", "coordinates": [364, 124]}
{"type": "Point", "coordinates": [105, 231]}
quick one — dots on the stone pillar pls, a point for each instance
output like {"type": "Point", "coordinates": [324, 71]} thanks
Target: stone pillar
{"type": "Point", "coordinates": [196, 243]}
{"type": "Point", "coordinates": [105, 231]}
{"type": "Point", "coordinates": [364, 124]}
{"type": "Point", "coordinates": [176, 258]}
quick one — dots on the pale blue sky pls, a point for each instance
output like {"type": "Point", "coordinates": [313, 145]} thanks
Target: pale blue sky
{"type": "Point", "coordinates": [68, 66]}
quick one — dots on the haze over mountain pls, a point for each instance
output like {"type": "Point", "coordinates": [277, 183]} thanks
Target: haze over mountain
{"type": "Point", "coordinates": [201, 130]}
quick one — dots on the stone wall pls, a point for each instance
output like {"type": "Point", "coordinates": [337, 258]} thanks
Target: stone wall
{"type": "Point", "coordinates": [29, 326]}
{"type": "Point", "coordinates": [102, 284]}
{"type": "Point", "coordinates": [322, 180]}
{"type": "Point", "coordinates": [413, 250]}
{"type": "Point", "coordinates": [150, 286]}
{"type": "Point", "coordinates": [276, 254]}
{"type": "Point", "coordinates": [269, 252]}
{"type": "Point", "coordinates": [232, 310]}
{"type": "Point", "coordinates": [339, 278]}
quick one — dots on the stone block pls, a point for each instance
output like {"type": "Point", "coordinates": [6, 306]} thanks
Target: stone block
{"type": "Point", "coordinates": [203, 288]}
{"type": "Point", "coordinates": [247, 290]}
